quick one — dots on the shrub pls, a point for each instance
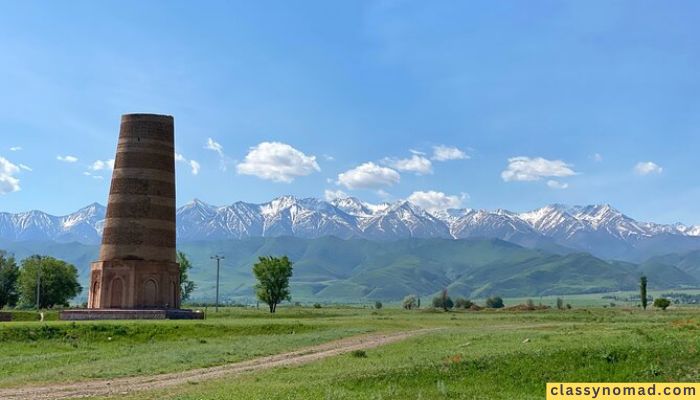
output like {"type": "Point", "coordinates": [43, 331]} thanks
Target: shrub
{"type": "Point", "coordinates": [461, 302]}
{"type": "Point", "coordinates": [410, 302]}
{"type": "Point", "coordinates": [359, 354]}
{"type": "Point", "coordinates": [662, 303]}
{"type": "Point", "coordinates": [530, 303]}
{"type": "Point", "coordinates": [494, 302]}
{"type": "Point", "coordinates": [378, 305]}
{"type": "Point", "coordinates": [317, 305]}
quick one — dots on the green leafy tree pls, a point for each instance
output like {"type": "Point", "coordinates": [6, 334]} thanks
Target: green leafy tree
{"type": "Point", "coordinates": [461, 302]}
{"type": "Point", "coordinates": [494, 302]}
{"type": "Point", "coordinates": [9, 273]}
{"type": "Point", "coordinates": [410, 302]}
{"type": "Point", "coordinates": [273, 276]}
{"type": "Point", "coordinates": [560, 303]}
{"type": "Point", "coordinates": [378, 305]}
{"type": "Point", "coordinates": [662, 303]}
{"type": "Point", "coordinates": [643, 291]}
{"type": "Point", "coordinates": [186, 285]}
{"type": "Point", "coordinates": [443, 301]}
{"type": "Point", "coordinates": [59, 281]}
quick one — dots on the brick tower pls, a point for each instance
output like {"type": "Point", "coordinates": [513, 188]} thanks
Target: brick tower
{"type": "Point", "coordinates": [137, 267]}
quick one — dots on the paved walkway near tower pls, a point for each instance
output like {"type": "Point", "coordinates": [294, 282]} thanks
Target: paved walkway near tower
{"type": "Point", "coordinates": [120, 386]}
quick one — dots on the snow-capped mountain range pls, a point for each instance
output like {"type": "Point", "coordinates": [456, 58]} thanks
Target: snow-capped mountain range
{"type": "Point", "coordinates": [598, 229]}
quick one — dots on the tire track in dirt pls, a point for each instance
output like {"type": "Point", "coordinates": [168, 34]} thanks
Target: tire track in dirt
{"type": "Point", "coordinates": [126, 385]}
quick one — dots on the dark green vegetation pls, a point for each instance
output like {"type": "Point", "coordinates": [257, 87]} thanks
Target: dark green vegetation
{"type": "Point", "coordinates": [662, 303]}
{"type": "Point", "coordinates": [350, 271]}
{"type": "Point", "coordinates": [643, 291]}
{"type": "Point", "coordinates": [476, 355]}
{"type": "Point", "coordinates": [187, 286]}
{"type": "Point", "coordinates": [57, 281]}
{"type": "Point", "coordinates": [273, 275]}
{"type": "Point", "coordinates": [9, 274]}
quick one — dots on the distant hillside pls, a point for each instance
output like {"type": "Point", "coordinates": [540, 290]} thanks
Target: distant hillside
{"type": "Point", "coordinates": [600, 230]}
{"type": "Point", "coordinates": [333, 269]}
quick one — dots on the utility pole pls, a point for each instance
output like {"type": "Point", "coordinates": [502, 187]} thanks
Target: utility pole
{"type": "Point", "coordinates": [38, 287]}
{"type": "Point", "coordinates": [218, 262]}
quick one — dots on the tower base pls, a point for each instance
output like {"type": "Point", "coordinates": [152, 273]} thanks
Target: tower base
{"type": "Point", "coordinates": [134, 285]}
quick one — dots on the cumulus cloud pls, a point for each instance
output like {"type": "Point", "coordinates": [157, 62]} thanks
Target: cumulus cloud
{"type": "Point", "coordinates": [214, 146]}
{"type": "Point", "coordinates": [368, 176]}
{"type": "Point", "coordinates": [16, 148]}
{"type": "Point", "coordinates": [68, 159]}
{"type": "Point", "coordinates": [8, 181]}
{"type": "Point", "coordinates": [331, 195]}
{"type": "Point", "coordinates": [417, 164]}
{"type": "Point", "coordinates": [446, 153]}
{"type": "Point", "coordinates": [647, 167]}
{"type": "Point", "coordinates": [435, 201]}
{"type": "Point", "coordinates": [278, 162]}
{"type": "Point", "coordinates": [534, 169]}
{"type": "Point", "coordinates": [194, 165]}
{"type": "Point", "coordinates": [101, 165]}
{"type": "Point", "coordinates": [556, 184]}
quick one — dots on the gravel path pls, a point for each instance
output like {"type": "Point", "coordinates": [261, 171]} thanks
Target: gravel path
{"type": "Point", "coordinates": [120, 386]}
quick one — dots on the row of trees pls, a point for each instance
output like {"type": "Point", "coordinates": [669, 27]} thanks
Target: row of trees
{"type": "Point", "coordinates": [55, 281]}
{"type": "Point", "coordinates": [445, 302]}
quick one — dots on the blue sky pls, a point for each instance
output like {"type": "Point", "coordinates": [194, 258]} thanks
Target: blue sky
{"type": "Point", "coordinates": [527, 103]}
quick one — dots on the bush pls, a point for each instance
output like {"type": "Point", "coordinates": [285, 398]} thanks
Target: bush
{"type": "Point", "coordinates": [530, 303]}
{"type": "Point", "coordinates": [662, 303]}
{"type": "Point", "coordinates": [359, 354]}
{"type": "Point", "coordinates": [410, 302]}
{"type": "Point", "coordinates": [494, 302]}
{"type": "Point", "coordinates": [461, 302]}
{"type": "Point", "coordinates": [317, 305]}
{"type": "Point", "coordinates": [378, 305]}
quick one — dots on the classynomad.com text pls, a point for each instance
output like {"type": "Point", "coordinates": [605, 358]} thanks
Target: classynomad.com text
{"type": "Point", "coordinates": [623, 391]}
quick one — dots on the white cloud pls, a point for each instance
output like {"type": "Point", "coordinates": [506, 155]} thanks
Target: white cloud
{"type": "Point", "coordinates": [647, 167]}
{"type": "Point", "coordinates": [368, 176]}
{"type": "Point", "coordinates": [16, 148]}
{"type": "Point", "coordinates": [278, 162]}
{"type": "Point", "coordinates": [417, 152]}
{"type": "Point", "coordinates": [101, 165]}
{"type": "Point", "coordinates": [534, 169]}
{"type": "Point", "coordinates": [418, 164]}
{"type": "Point", "coordinates": [8, 181]}
{"type": "Point", "coordinates": [26, 167]}
{"type": "Point", "coordinates": [434, 201]}
{"type": "Point", "coordinates": [328, 157]}
{"type": "Point", "coordinates": [194, 165]}
{"type": "Point", "coordinates": [597, 157]}
{"type": "Point", "coordinates": [214, 146]}
{"type": "Point", "coordinates": [556, 184]}
{"type": "Point", "coordinates": [331, 195]}
{"type": "Point", "coordinates": [446, 153]}
{"type": "Point", "coordinates": [68, 159]}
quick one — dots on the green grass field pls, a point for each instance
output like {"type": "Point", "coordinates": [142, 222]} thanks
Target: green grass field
{"type": "Point", "coordinates": [474, 355]}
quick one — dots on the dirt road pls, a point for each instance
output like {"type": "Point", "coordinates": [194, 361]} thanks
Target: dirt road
{"type": "Point", "coordinates": [127, 385]}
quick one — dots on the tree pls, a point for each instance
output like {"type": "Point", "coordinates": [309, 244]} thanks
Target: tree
{"type": "Point", "coordinates": [662, 303]}
{"type": "Point", "coordinates": [643, 291]}
{"type": "Point", "coordinates": [443, 301]}
{"type": "Point", "coordinates": [378, 305]}
{"type": "Point", "coordinates": [461, 302]}
{"type": "Point", "coordinates": [8, 280]}
{"type": "Point", "coordinates": [410, 302]}
{"type": "Point", "coordinates": [186, 285]}
{"type": "Point", "coordinates": [494, 302]}
{"type": "Point", "coordinates": [273, 276]}
{"type": "Point", "coordinates": [58, 281]}
{"type": "Point", "coordinates": [560, 303]}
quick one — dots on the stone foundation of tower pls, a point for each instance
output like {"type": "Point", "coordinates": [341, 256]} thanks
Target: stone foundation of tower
{"type": "Point", "coordinates": [134, 284]}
